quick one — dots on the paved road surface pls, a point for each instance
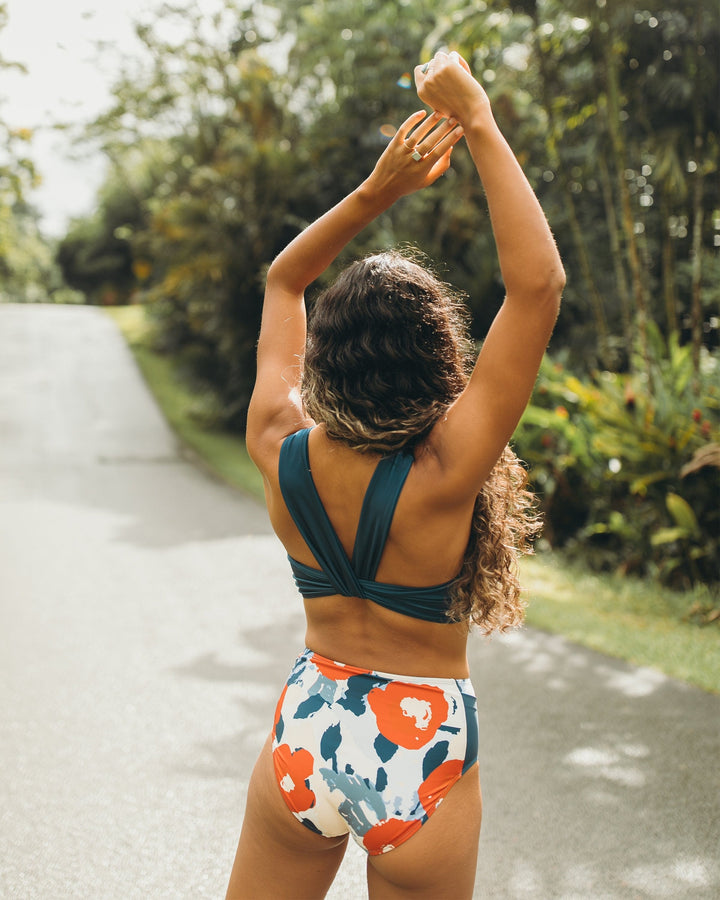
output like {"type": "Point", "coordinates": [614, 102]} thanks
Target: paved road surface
{"type": "Point", "coordinates": [147, 620]}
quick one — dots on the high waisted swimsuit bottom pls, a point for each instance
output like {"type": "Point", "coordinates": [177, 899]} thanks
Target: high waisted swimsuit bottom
{"type": "Point", "coordinates": [370, 753]}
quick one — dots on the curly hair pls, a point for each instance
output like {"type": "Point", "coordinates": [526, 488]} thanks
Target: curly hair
{"type": "Point", "coordinates": [387, 352]}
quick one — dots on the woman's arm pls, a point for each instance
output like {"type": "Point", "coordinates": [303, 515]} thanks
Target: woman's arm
{"type": "Point", "coordinates": [482, 420]}
{"type": "Point", "coordinates": [275, 408]}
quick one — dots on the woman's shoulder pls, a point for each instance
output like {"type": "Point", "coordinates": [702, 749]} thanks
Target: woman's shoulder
{"type": "Point", "coordinates": [265, 436]}
{"type": "Point", "coordinates": [434, 481]}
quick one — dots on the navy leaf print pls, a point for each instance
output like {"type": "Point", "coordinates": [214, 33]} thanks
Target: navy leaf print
{"type": "Point", "coordinates": [434, 757]}
{"type": "Point", "coordinates": [381, 780]}
{"type": "Point", "coordinates": [329, 743]}
{"type": "Point", "coordinates": [309, 706]}
{"type": "Point", "coordinates": [384, 748]}
{"type": "Point", "coordinates": [358, 687]}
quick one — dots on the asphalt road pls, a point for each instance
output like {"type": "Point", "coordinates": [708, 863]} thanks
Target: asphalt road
{"type": "Point", "coordinates": [147, 622]}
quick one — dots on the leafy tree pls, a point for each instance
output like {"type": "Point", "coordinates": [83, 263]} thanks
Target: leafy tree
{"type": "Point", "coordinates": [95, 259]}
{"type": "Point", "coordinates": [25, 259]}
{"type": "Point", "coordinates": [17, 172]}
{"type": "Point", "coordinates": [200, 143]}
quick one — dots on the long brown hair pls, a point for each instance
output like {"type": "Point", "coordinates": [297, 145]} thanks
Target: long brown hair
{"type": "Point", "coordinates": [387, 353]}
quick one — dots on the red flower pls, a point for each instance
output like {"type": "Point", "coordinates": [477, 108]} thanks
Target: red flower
{"type": "Point", "coordinates": [408, 714]}
{"type": "Point", "coordinates": [697, 415]}
{"type": "Point", "coordinates": [291, 770]}
{"type": "Point", "coordinates": [389, 834]}
{"type": "Point", "coordinates": [438, 783]}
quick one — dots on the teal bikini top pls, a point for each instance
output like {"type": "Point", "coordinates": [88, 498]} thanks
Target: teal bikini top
{"type": "Point", "coordinates": [338, 574]}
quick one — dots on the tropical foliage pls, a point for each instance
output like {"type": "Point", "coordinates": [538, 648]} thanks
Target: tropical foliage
{"type": "Point", "coordinates": [628, 465]}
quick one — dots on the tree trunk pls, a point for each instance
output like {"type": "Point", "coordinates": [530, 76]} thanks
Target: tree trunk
{"type": "Point", "coordinates": [596, 299]}
{"type": "Point", "coordinates": [668, 274]}
{"type": "Point", "coordinates": [553, 131]}
{"type": "Point", "coordinates": [696, 253]}
{"type": "Point", "coordinates": [619, 151]}
{"type": "Point", "coordinates": [616, 251]}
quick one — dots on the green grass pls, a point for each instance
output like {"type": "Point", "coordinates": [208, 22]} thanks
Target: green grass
{"type": "Point", "coordinates": [632, 619]}
{"type": "Point", "coordinates": [635, 620]}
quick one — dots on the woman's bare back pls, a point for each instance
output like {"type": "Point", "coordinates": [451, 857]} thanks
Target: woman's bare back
{"type": "Point", "coordinates": [425, 547]}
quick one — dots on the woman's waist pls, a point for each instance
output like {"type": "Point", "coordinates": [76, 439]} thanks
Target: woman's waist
{"type": "Point", "coordinates": [340, 671]}
{"type": "Point", "coordinates": [358, 633]}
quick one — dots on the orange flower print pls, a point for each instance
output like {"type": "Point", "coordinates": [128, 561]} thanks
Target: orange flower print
{"type": "Point", "coordinates": [332, 670]}
{"type": "Point", "coordinates": [438, 783]}
{"type": "Point", "coordinates": [389, 834]}
{"type": "Point", "coordinates": [408, 714]}
{"type": "Point", "coordinates": [291, 770]}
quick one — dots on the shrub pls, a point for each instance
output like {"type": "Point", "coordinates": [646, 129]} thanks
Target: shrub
{"type": "Point", "coordinates": [628, 465]}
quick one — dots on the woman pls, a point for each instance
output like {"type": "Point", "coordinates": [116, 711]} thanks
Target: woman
{"type": "Point", "coordinates": [389, 482]}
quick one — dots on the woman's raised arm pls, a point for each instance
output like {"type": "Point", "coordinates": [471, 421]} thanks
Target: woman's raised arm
{"type": "Point", "coordinates": [482, 420]}
{"type": "Point", "coordinates": [275, 408]}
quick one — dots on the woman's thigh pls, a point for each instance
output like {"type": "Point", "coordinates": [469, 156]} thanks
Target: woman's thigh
{"type": "Point", "coordinates": [277, 856]}
{"type": "Point", "coordinates": [440, 860]}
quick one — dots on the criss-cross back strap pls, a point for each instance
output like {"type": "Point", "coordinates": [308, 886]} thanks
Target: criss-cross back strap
{"type": "Point", "coordinates": [377, 513]}
{"type": "Point", "coordinates": [308, 513]}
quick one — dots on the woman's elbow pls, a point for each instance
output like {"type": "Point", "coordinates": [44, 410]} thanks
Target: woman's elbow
{"type": "Point", "coordinates": [556, 285]}
{"type": "Point", "coordinates": [548, 287]}
{"type": "Point", "coordinates": [282, 279]}
{"type": "Point", "coordinates": [544, 291]}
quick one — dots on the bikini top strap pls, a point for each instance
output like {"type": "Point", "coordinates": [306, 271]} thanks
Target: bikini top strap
{"type": "Point", "coordinates": [377, 513]}
{"type": "Point", "coordinates": [308, 513]}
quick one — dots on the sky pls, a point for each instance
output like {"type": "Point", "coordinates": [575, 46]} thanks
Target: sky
{"type": "Point", "coordinates": [66, 81]}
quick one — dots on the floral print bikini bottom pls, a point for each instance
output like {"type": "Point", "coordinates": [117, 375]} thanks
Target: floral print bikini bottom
{"type": "Point", "coordinates": [368, 752]}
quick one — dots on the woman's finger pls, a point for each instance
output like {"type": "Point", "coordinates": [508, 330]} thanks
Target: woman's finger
{"type": "Point", "coordinates": [409, 124]}
{"type": "Point", "coordinates": [459, 59]}
{"type": "Point", "coordinates": [445, 144]}
{"type": "Point", "coordinates": [423, 129]}
{"type": "Point", "coordinates": [434, 137]}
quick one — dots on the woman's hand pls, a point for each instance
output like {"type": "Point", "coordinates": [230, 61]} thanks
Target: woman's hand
{"type": "Point", "coordinates": [418, 155]}
{"type": "Point", "coordinates": [447, 85]}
